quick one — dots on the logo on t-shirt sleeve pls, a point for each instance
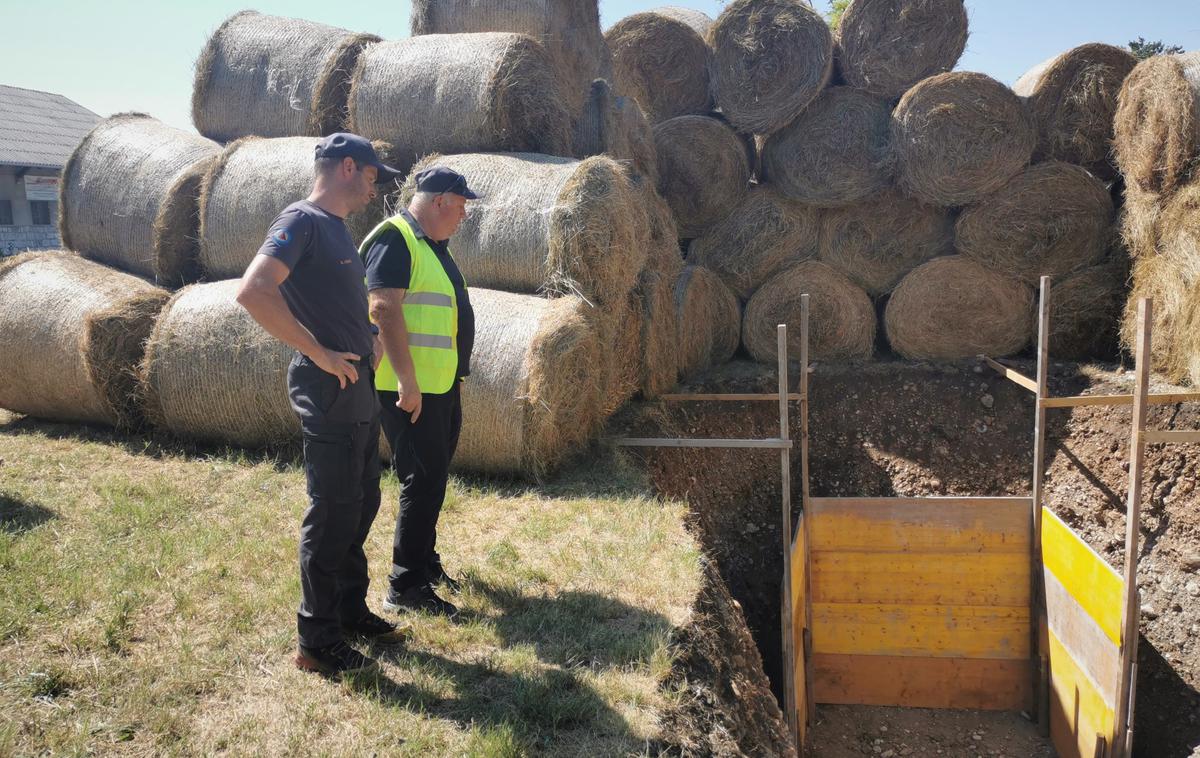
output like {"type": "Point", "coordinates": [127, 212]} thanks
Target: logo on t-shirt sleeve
{"type": "Point", "coordinates": [281, 237]}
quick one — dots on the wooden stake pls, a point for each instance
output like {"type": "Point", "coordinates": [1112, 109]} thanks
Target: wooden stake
{"type": "Point", "coordinates": [1137, 456]}
{"type": "Point", "coordinates": [785, 611]}
{"type": "Point", "coordinates": [1041, 667]}
{"type": "Point", "coordinates": [805, 500]}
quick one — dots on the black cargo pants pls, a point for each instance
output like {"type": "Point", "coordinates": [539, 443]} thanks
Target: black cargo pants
{"type": "Point", "coordinates": [341, 464]}
{"type": "Point", "coordinates": [421, 455]}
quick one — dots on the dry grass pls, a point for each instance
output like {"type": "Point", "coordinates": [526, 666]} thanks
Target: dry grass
{"type": "Point", "coordinates": [149, 599]}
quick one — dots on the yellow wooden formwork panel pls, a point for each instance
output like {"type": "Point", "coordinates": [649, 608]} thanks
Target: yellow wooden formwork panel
{"type": "Point", "coordinates": [930, 631]}
{"type": "Point", "coordinates": [982, 579]}
{"type": "Point", "coordinates": [1001, 685]}
{"type": "Point", "coordinates": [939, 525]}
{"type": "Point", "coordinates": [798, 566]}
{"type": "Point", "coordinates": [1079, 717]}
{"type": "Point", "coordinates": [1094, 584]}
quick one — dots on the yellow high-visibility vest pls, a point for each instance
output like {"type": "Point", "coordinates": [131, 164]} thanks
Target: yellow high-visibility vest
{"type": "Point", "coordinates": [430, 312]}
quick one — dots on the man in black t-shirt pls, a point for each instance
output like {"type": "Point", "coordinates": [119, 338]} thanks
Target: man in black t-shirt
{"type": "Point", "coordinates": [419, 300]}
{"type": "Point", "coordinates": [306, 288]}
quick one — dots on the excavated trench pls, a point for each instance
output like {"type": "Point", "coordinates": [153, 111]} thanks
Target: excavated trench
{"type": "Point", "coordinates": [902, 429]}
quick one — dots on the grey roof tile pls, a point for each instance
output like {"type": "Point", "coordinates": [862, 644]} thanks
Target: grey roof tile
{"type": "Point", "coordinates": [40, 129]}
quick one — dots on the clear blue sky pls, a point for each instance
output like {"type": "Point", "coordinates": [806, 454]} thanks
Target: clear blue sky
{"type": "Point", "coordinates": [122, 55]}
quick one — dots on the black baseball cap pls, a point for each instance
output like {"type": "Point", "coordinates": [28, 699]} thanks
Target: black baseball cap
{"type": "Point", "coordinates": [440, 180]}
{"type": "Point", "coordinates": [346, 145]}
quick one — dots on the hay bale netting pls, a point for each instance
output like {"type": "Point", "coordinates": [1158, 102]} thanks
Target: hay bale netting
{"type": "Point", "coordinates": [1085, 311]}
{"type": "Point", "coordinates": [547, 224]}
{"type": "Point", "coordinates": [841, 322]}
{"type": "Point", "coordinates": [702, 171]}
{"type": "Point", "coordinates": [569, 30]}
{"type": "Point", "coordinates": [1073, 98]}
{"type": "Point", "coordinates": [1049, 220]}
{"type": "Point", "coordinates": [213, 374]}
{"type": "Point", "coordinates": [837, 152]}
{"type": "Point", "coordinates": [764, 235]}
{"type": "Point", "coordinates": [129, 197]}
{"type": "Point", "coordinates": [534, 392]}
{"type": "Point", "coordinates": [878, 241]}
{"type": "Point", "coordinates": [1157, 126]}
{"type": "Point", "coordinates": [272, 76]}
{"type": "Point", "coordinates": [771, 58]}
{"type": "Point", "coordinates": [659, 338]}
{"type": "Point", "coordinates": [952, 308]}
{"type": "Point", "coordinates": [474, 92]}
{"type": "Point", "coordinates": [709, 319]}
{"type": "Point", "coordinates": [661, 59]}
{"type": "Point", "coordinates": [887, 46]}
{"type": "Point", "coordinates": [958, 137]}
{"type": "Point", "coordinates": [246, 188]}
{"type": "Point", "coordinates": [615, 126]}
{"type": "Point", "coordinates": [71, 336]}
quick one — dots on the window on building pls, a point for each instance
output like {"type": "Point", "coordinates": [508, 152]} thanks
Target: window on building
{"type": "Point", "coordinates": [6, 213]}
{"type": "Point", "coordinates": [41, 212]}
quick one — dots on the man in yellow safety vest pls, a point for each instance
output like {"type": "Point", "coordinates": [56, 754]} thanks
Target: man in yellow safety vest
{"type": "Point", "coordinates": [418, 299]}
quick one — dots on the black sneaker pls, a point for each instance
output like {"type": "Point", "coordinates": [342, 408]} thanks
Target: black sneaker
{"type": "Point", "coordinates": [421, 598]}
{"type": "Point", "coordinates": [438, 575]}
{"type": "Point", "coordinates": [377, 631]}
{"type": "Point", "coordinates": [335, 661]}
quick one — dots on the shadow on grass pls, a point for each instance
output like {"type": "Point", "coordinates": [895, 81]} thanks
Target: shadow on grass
{"type": "Point", "coordinates": [154, 444]}
{"type": "Point", "coordinates": [18, 516]}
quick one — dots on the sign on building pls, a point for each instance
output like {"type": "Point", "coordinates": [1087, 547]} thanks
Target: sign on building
{"type": "Point", "coordinates": [41, 188]}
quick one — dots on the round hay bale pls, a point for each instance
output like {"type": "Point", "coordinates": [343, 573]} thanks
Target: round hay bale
{"type": "Point", "coordinates": [661, 59]}
{"type": "Point", "coordinates": [958, 137]}
{"type": "Point", "coordinates": [620, 328]}
{"type": "Point", "coordinates": [637, 138]}
{"type": "Point", "coordinates": [1172, 282]}
{"type": "Point", "coordinates": [475, 92]}
{"type": "Point", "coordinates": [703, 171]}
{"type": "Point", "coordinates": [887, 46]}
{"type": "Point", "coordinates": [1049, 220]}
{"type": "Point", "coordinates": [709, 319]}
{"type": "Point", "coordinates": [841, 321]}
{"type": "Point", "coordinates": [1073, 98]}
{"type": "Point", "coordinates": [547, 224]}
{"type": "Point", "coordinates": [246, 188]}
{"type": "Point", "coordinates": [1157, 126]}
{"type": "Point", "coordinates": [534, 393]}
{"type": "Point", "coordinates": [272, 76]}
{"type": "Point", "coordinates": [1178, 222]}
{"type": "Point", "coordinates": [663, 254]}
{"type": "Point", "coordinates": [764, 235]}
{"type": "Point", "coordinates": [569, 30]}
{"type": "Point", "coordinates": [615, 126]}
{"type": "Point", "coordinates": [72, 334]}
{"type": "Point", "coordinates": [1139, 221]}
{"type": "Point", "coordinates": [213, 374]}
{"type": "Point", "coordinates": [129, 197]}
{"type": "Point", "coordinates": [837, 152]}
{"type": "Point", "coordinates": [659, 338]}
{"type": "Point", "coordinates": [878, 241]}
{"type": "Point", "coordinates": [770, 59]}
{"type": "Point", "coordinates": [952, 308]}
{"type": "Point", "coordinates": [1085, 311]}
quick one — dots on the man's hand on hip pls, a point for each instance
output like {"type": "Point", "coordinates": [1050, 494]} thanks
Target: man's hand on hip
{"type": "Point", "coordinates": [338, 364]}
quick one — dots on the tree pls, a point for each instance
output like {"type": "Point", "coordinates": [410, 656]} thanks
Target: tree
{"type": "Point", "coordinates": [1142, 49]}
{"type": "Point", "coordinates": [836, 9]}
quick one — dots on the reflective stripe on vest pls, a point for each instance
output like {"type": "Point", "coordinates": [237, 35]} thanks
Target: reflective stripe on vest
{"type": "Point", "coordinates": [430, 312]}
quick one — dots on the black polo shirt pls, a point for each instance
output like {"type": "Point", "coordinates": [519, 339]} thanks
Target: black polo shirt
{"type": "Point", "coordinates": [389, 266]}
{"type": "Point", "coordinates": [325, 290]}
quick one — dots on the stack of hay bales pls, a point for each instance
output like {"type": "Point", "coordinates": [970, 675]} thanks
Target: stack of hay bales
{"type": "Point", "coordinates": [1158, 152]}
{"type": "Point", "coordinates": [662, 59]}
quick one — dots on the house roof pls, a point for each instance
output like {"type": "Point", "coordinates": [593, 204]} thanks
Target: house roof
{"type": "Point", "coordinates": [40, 129]}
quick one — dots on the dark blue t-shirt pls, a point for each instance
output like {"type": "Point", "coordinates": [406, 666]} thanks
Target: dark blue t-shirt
{"type": "Point", "coordinates": [389, 266]}
{"type": "Point", "coordinates": [325, 291]}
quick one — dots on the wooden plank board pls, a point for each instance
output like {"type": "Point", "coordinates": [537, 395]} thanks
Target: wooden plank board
{"type": "Point", "coordinates": [726, 397]}
{"type": "Point", "coordinates": [1082, 638]}
{"type": "Point", "coordinates": [980, 579]}
{"type": "Point", "coordinates": [799, 622]}
{"type": "Point", "coordinates": [1078, 715]}
{"type": "Point", "coordinates": [1002, 685]}
{"type": "Point", "coordinates": [770, 444]}
{"type": "Point", "coordinates": [1170, 436]}
{"type": "Point", "coordinates": [922, 631]}
{"type": "Point", "coordinates": [1012, 375]}
{"type": "Point", "coordinates": [939, 525]}
{"type": "Point", "coordinates": [1075, 401]}
{"type": "Point", "coordinates": [1094, 584]}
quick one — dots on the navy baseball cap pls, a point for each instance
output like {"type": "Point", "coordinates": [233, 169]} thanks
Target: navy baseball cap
{"type": "Point", "coordinates": [346, 145]}
{"type": "Point", "coordinates": [440, 180]}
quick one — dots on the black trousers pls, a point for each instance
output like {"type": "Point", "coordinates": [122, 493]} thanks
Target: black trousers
{"type": "Point", "coordinates": [421, 455]}
{"type": "Point", "coordinates": [341, 464]}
